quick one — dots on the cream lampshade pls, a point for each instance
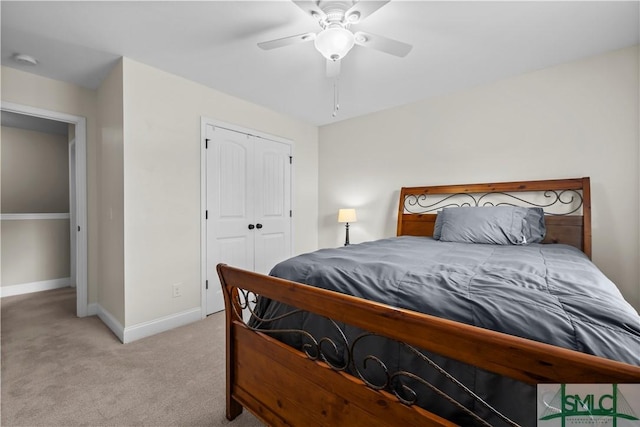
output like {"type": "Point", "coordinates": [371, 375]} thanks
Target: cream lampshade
{"type": "Point", "coordinates": [347, 216]}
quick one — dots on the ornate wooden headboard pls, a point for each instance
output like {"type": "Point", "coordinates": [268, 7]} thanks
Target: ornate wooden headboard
{"type": "Point", "coordinates": [566, 203]}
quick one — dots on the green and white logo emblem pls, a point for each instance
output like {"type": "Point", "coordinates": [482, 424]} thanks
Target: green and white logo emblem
{"type": "Point", "coordinates": [588, 405]}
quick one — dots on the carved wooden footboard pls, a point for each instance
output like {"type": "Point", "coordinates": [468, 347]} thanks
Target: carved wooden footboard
{"type": "Point", "coordinates": [283, 386]}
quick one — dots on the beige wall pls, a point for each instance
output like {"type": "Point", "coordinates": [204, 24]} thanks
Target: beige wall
{"type": "Point", "coordinates": [35, 91]}
{"type": "Point", "coordinates": [35, 179]}
{"type": "Point", "coordinates": [573, 120]}
{"type": "Point", "coordinates": [577, 119]}
{"type": "Point", "coordinates": [110, 178]}
{"type": "Point", "coordinates": [162, 210]}
{"type": "Point", "coordinates": [34, 251]}
{"type": "Point", "coordinates": [35, 172]}
{"type": "Point", "coordinates": [143, 171]}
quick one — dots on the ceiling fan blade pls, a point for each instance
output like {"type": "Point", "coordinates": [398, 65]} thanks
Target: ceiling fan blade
{"type": "Point", "coordinates": [311, 7]}
{"type": "Point", "coordinates": [383, 44]}
{"type": "Point", "coordinates": [362, 9]}
{"type": "Point", "coordinates": [333, 68]}
{"type": "Point", "coordinates": [286, 41]}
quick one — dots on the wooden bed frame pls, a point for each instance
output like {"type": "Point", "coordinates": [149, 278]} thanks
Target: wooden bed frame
{"type": "Point", "coordinates": [284, 387]}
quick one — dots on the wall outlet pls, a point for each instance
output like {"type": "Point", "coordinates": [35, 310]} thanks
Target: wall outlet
{"type": "Point", "coordinates": [177, 290]}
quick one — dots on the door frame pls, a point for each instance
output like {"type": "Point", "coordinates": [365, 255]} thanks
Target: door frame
{"type": "Point", "coordinates": [204, 122]}
{"type": "Point", "coordinates": [72, 209]}
{"type": "Point", "coordinates": [80, 193]}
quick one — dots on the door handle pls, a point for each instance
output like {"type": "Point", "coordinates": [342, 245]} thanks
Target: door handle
{"type": "Point", "coordinates": [258, 226]}
{"type": "Point", "coordinates": [251, 226]}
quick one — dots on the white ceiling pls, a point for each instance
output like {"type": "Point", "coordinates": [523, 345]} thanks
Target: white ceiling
{"type": "Point", "coordinates": [456, 45]}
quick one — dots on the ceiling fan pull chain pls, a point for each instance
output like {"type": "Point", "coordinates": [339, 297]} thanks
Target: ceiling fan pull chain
{"type": "Point", "coordinates": [336, 104]}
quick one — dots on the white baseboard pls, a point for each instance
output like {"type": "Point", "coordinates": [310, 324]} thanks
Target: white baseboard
{"type": "Point", "coordinates": [145, 329]}
{"type": "Point", "coordinates": [111, 322]}
{"type": "Point", "coordinates": [92, 309]}
{"type": "Point", "coordinates": [27, 288]}
{"type": "Point", "coordinates": [152, 327]}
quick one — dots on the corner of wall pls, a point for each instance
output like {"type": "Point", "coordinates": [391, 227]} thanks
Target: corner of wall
{"type": "Point", "coordinates": [110, 240]}
{"type": "Point", "coordinates": [109, 320]}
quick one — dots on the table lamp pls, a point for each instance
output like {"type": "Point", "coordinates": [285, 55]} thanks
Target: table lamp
{"type": "Point", "coordinates": [347, 216]}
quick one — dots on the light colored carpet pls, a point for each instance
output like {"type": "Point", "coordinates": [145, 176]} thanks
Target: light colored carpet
{"type": "Point", "coordinates": [60, 370]}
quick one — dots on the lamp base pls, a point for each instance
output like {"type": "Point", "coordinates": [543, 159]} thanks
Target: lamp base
{"type": "Point", "coordinates": [346, 238]}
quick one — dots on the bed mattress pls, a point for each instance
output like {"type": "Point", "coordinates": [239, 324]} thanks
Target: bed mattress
{"type": "Point", "coordinates": [550, 293]}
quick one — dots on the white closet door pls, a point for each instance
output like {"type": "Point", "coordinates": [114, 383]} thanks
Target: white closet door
{"type": "Point", "coordinates": [248, 195]}
{"type": "Point", "coordinates": [272, 203]}
{"type": "Point", "coordinates": [230, 196]}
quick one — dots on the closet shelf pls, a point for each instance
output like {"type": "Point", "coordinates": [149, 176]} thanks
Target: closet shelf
{"type": "Point", "coordinates": [31, 216]}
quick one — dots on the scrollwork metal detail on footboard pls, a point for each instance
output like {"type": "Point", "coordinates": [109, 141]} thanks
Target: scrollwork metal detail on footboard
{"type": "Point", "coordinates": [559, 203]}
{"type": "Point", "coordinates": [348, 352]}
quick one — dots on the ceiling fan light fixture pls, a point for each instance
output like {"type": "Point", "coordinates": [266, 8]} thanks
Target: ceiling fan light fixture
{"type": "Point", "coordinates": [334, 42]}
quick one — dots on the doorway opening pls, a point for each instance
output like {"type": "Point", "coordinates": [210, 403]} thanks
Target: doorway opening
{"type": "Point", "coordinates": [77, 199]}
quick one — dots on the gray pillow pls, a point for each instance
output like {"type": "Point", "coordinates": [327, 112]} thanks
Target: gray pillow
{"type": "Point", "coordinates": [437, 227]}
{"type": "Point", "coordinates": [498, 225]}
{"type": "Point", "coordinates": [534, 220]}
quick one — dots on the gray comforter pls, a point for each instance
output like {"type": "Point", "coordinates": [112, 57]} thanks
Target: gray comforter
{"type": "Point", "coordinates": [548, 293]}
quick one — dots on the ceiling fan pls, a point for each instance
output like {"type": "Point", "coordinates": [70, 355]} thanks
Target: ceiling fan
{"type": "Point", "coordinates": [336, 39]}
